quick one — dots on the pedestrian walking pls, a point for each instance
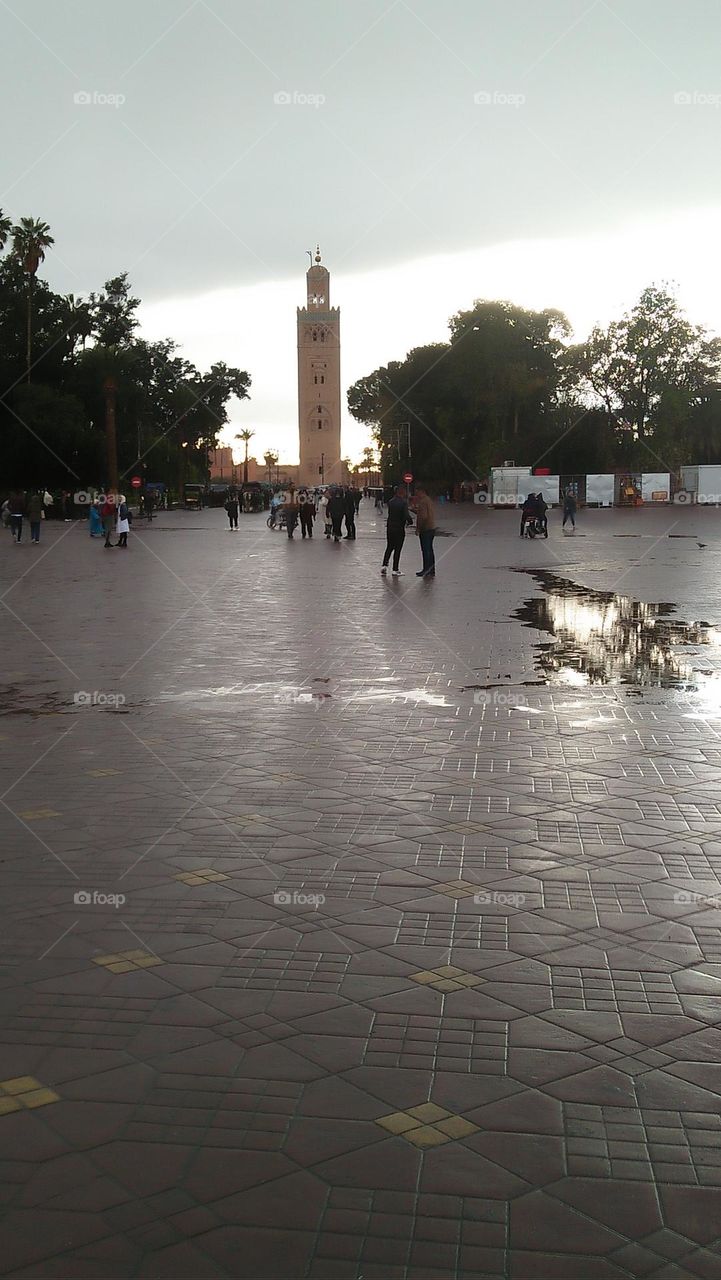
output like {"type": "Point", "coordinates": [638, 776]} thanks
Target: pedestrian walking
{"type": "Point", "coordinates": [399, 518]}
{"type": "Point", "coordinates": [292, 511]}
{"type": "Point", "coordinates": [123, 525]}
{"type": "Point", "coordinates": [349, 511]}
{"type": "Point", "coordinates": [307, 515]}
{"type": "Point", "coordinates": [36, 513]}
{"type": "Point", "coordinates": [336, 511]}
{"type": "Point", "coordinates": [426, 527]}
{"type": "Point", "coordinates": [231, 507]}
{"type": "Point", "coordinates": [18, 508]}
{"type": "Point", "coordinates": [107, 512]}
{"type": "Point", "coordinates": [570, 506]}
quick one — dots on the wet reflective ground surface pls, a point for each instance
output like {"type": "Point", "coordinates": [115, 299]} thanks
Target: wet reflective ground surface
{"type": "Point", "coordinates": [599, 637]}
{"type": "Point", "coordinates": [359, 927]}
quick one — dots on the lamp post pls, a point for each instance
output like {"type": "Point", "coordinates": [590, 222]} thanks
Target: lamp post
{"type": "Point", "coordinates": [322, 468]}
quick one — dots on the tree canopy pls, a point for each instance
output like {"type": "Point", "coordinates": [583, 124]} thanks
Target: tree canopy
{"type": "Point", "coordinates": [52, 423]}
{"type": "Point", "coordinates": [508, 385]}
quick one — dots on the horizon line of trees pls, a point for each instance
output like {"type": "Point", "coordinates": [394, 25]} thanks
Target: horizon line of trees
{"type": "Point", "coordinates": [644, 393]}
{"type": "Point", "coordinates": [84, 399]}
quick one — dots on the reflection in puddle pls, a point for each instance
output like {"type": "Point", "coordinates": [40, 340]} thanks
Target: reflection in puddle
{"type": "Point", "coordinates": [603, 638]}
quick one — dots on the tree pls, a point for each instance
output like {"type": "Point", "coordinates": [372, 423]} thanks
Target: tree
{"type": "Point", "coordinates": [246, 436]}
{"type": "Point", "coordinates": [31, 237]}
{"type": "Point", "coordinates": [6, 229]}
{"type": "Point", "coordinates": [648, 368]}
{"type": "Point", "coordinates": [271, 460]}
{"type": "Point", "coordinates": [113, 312]}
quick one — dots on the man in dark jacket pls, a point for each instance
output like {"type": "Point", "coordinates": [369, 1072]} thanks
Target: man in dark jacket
{"type": "Point", "coordinates": [336, 510]}
{"type": "Point", "coordinates": [18, 508]}
{"type": "Point", "coordinates": [399, 517]}
{"type": "Point", "coordinates": [350, 510]}
{"type": "Point", "coordinates": [307, 514]}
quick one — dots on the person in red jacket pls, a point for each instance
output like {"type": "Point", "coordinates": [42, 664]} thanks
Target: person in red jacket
{"type": "Point", "coordinates": [107, 513]}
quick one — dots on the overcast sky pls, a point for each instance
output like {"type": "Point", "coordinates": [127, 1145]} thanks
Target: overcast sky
{"type": "Point", "coordinates": [536, 150]}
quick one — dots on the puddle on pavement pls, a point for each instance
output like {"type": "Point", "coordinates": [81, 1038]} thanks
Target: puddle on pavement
{"type": "Point", "coordinates": [599, 637]}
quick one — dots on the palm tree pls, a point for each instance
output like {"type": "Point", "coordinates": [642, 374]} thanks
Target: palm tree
{"type": "Point", "coordinates": [271, 460]}
{"type": "Point", "coordinates": [368, 461]}
{"type": "Point", "coordinates": [245, 435]}
{"type": "Point", "coordinates": [6, 227]}
{"type": "Point", "coordinates": [80, 327]}
{"type": "Point", "coordinates": [31, 237]}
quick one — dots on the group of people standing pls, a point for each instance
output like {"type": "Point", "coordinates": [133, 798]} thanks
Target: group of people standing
{"type": "Point", "coordinates": [399, 519]}
{"type": "Point", "coordinates": [300, 507]}
{"type": "Point", "coordinates": [19, 505]}
{"type": "Point", "coordinates": [108, 516]}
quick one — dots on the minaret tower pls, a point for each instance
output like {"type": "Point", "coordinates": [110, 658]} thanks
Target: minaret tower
{"type": "Point", "coordinates": [319, 381]}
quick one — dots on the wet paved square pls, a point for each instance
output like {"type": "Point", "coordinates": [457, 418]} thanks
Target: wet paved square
{"type": "Point", "coordinates": [357, 927]}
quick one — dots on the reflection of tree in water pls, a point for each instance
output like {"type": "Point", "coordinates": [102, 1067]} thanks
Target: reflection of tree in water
{"type": "Point", "coordinates": [602, 638]}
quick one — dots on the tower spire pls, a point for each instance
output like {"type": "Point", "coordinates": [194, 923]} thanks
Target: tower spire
{"type": "Point", "coordinates": [317, 254]}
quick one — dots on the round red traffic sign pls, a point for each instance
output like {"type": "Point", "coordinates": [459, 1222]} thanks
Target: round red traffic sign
{"type": "Point", "coordinates": [136, 482]}
{"type": "Point", "coordinates": [407, 477]}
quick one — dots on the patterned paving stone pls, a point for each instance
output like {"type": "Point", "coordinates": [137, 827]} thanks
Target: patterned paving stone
{"type": "Point", "coordinates": [404, 985]}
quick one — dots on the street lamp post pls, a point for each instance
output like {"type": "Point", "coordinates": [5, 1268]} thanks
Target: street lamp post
{"type": "Point", "coordinates": [322, 468]}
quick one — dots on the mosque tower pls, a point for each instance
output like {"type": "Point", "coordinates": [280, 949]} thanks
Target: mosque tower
{"type": "Point", "coordinates": [319, 381]}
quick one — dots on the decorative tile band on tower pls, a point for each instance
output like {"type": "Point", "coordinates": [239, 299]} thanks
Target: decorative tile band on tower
{"type": "Point", "coordinates": [319, 381]}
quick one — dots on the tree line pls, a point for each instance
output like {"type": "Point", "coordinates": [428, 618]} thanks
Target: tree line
{"type": "Point", "coordinates": [83, 399]}
{"type": "Point", "coordinates": [643, 394]}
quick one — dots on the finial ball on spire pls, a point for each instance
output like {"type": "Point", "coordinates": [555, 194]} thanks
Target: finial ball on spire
{"type": "Point", "coordinates": [317, 253]}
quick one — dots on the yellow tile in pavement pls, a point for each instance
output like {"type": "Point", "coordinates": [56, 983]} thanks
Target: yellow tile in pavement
{"type": "Point", "coordinates": [428, 1112]}
{"type": "Point", "coordinates": [24, 1092]}
{"type": "Point", "coordinates": [427, 1136]}
{"type": "Point", "coordinates": [38, 1098]}
{"type": "Point", "coordinates": [124, 961]}
{"type": "Point", "coordinates": [424, 975]}
{"type": "Point", "coordinates": [204, 875]}
{"type": "Point", "coordinates": [34, 815]}
{"type": "Point", "coordinates": [19, 1084]}
{"type": "Point", "coordinates": [447, 978]}
{"type": "Point", "coordinates": [398, 1122]}
{"type": "Point", "coordinates": [456, 1127]}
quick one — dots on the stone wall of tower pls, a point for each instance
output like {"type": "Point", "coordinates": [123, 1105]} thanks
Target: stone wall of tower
{"type": "Point", "coordinates": [319, 390]}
